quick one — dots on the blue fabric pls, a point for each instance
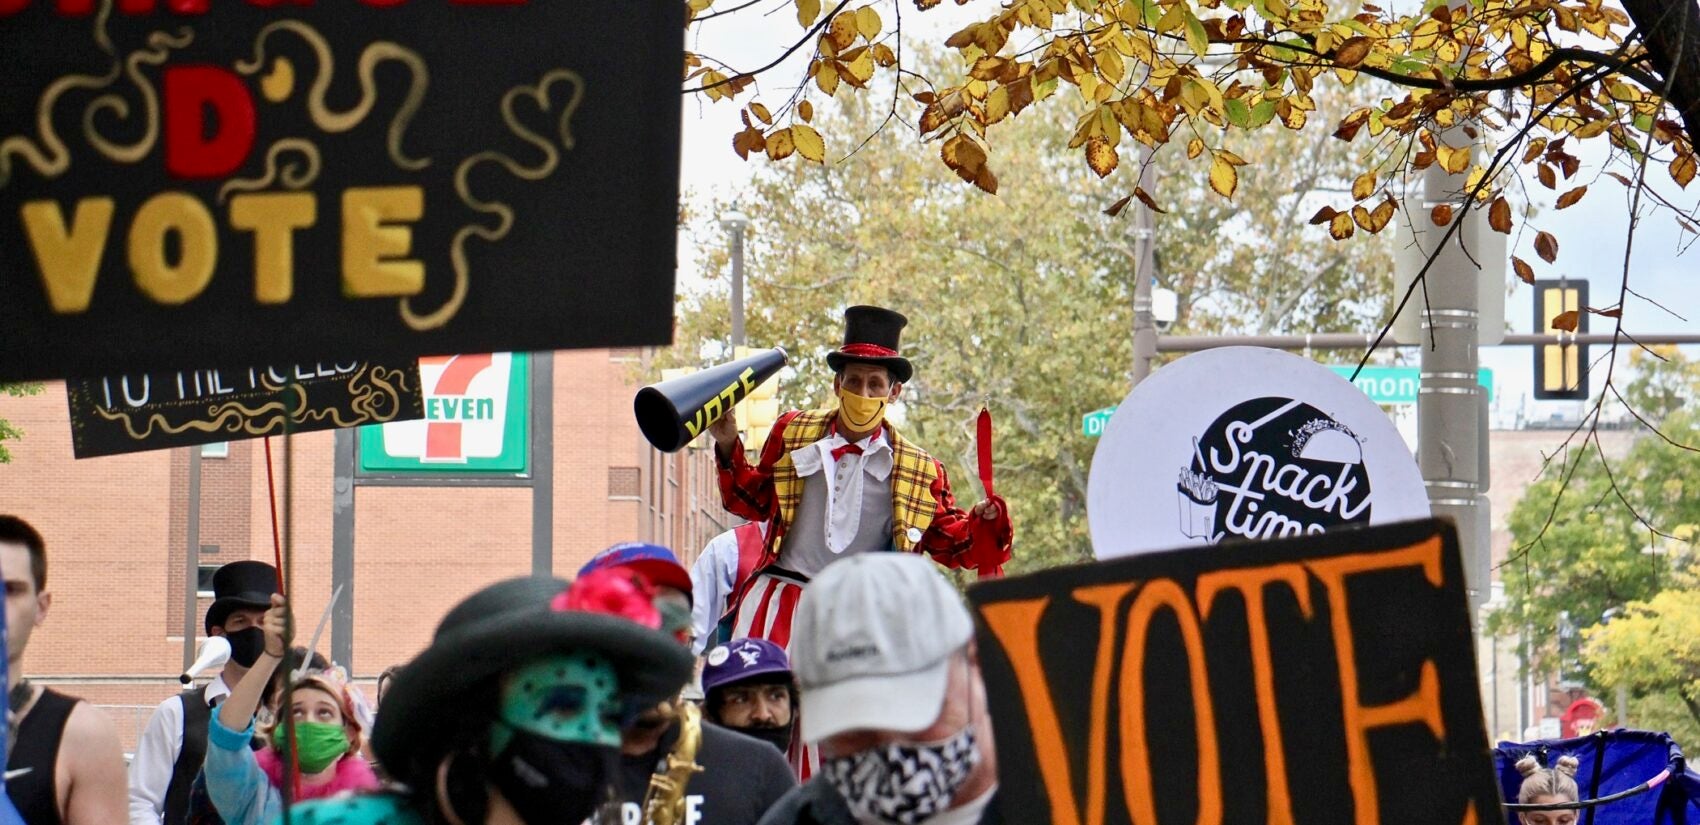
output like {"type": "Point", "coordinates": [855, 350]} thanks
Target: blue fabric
{"type": "Point", "coordinates": [1611, 762]}
{"type": "Point", "coordinates": [238, 787]}
{"type": "Point", "coordinates": [365, 809]}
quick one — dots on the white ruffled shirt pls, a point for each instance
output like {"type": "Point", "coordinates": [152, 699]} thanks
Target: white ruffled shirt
{"type": "Point", "coordinates": [844, 481]}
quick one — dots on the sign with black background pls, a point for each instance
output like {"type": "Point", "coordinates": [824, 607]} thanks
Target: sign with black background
{"type": "Point", "coordinates": [130, 413]}
{"type": "Point", "coordinates": [1324, 679]}
{"type": "Point", "coordinates": [294, 182]}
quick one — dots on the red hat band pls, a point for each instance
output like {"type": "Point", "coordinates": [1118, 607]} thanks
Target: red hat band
{"type": "Point", "coordinates": [867, 351]}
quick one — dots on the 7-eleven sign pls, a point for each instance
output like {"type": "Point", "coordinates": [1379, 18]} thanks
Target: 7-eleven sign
{"type": "Point", "coordinates": [475, 420]}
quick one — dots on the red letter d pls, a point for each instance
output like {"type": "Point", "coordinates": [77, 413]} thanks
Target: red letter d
{"type": "Point", "coordinates": [190, 92]}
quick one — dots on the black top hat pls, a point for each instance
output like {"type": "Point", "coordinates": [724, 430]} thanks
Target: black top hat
{"type": "Point", "coordinates": [490, 633]}
{"type": "Point", "coordinates": [240, 585]}
{"type": "Point", "coordinates": [871, 336]}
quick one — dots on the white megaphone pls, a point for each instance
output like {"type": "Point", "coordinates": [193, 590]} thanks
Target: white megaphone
{"type": "Point", "coordinates": [215, 651]}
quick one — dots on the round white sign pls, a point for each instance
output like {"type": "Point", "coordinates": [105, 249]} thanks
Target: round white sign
{"type": "Point", "coordinates": [1244, 443]}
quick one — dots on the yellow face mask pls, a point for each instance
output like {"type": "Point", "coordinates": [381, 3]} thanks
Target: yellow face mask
{"type": "Point", "coordinates": [859, 413]}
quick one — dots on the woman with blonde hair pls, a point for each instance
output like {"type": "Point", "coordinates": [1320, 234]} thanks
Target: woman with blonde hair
{"type": "Point", "coordinates": [1547, 786]}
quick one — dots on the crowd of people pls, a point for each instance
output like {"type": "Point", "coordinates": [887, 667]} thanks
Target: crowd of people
{"type": "Point", "coordinates": [814, 667]}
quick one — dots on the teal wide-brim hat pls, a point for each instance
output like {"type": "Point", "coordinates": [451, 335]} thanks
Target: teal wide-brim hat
{"type": "Point", "coordinates": [492, 632]}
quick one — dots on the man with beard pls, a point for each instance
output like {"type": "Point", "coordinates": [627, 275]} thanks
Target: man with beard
{"type": "Point", "coordinates": [739, 778]}
{"type": "Point", "coordinates": [892, 697]}
{"type": "Point", "coordinates": [748, 687]}
{"type": "Point", "coordinates": [173, 745]}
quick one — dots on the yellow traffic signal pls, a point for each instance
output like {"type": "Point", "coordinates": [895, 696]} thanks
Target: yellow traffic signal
{"type": "Point", "coordinates": [1561, 369]}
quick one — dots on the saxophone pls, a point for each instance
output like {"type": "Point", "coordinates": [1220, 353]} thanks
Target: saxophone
{"type": "Point", "coordinates": [664, 802]}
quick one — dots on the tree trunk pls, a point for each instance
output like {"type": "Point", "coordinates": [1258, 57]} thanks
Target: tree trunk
{"type": "Point", "coordinates": [1671, 29]}
{"type": "Point", "coordinates": [1688, 702]}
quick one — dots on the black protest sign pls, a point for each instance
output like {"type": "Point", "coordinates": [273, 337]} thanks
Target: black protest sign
{"type": "Point", "coordinates": [130, 413]}
{"type": "Point", "coordinates": [282, 182]}
{"type": "Point", "coordinates": [1324, 679]}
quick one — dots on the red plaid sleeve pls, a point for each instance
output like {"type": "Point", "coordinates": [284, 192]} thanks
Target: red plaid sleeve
{"type": "Point", "coordinates": [745, 490]}
{"type": "Point", "coordinates": [951, 535]}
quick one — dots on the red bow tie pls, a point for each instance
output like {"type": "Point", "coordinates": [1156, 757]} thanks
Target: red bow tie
{"type": "Point", "coordinates": [838, 452]}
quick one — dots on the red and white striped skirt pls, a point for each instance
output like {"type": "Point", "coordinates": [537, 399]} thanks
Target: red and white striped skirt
{"type": "Point", "coordinates": [766, 613]}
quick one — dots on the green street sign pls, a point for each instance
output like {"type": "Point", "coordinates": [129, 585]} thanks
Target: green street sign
{"type": "Point", "coordinates": [1396, 386]}
{"type": "Point", "coordinates": [1093, 423]}
{"type": "Point", "coordinates": [477, 421]}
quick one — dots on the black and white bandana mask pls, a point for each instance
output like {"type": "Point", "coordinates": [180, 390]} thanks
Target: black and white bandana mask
{"type": "Point", "coordinates": [904, 783]}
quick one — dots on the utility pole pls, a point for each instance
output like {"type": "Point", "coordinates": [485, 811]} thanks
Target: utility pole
{"type": "Point", "coordinates": [1451, 406]}
{"type": "Point", "coordinates": [734, 221]}
{"type": "Point", "coordinates": [1144, 271]}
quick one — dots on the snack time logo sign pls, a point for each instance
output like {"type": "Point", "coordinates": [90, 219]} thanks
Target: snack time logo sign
{"type": "Point", "coordinates": [291, 182]}
{"type": "Point", "coordinates": [476, 420]}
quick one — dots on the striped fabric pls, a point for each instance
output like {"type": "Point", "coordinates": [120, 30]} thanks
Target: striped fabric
{"type": "Point", "coordinates": [766, 614]}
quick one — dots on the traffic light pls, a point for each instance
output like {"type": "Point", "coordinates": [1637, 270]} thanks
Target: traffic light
{"type": "Point", "coordinates": [757, 412]}
{"type": "Point", "coordinates": [1561, 370]}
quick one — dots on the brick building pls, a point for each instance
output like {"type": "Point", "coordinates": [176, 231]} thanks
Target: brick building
{"type": "Point", "coordinates": [117, 531]}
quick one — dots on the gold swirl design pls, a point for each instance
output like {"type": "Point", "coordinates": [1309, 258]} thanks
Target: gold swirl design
{"type": "Point", "coordinates": [230, 417]}
{"type": "Point", "coordinates": [374, 54]}
{"type": "Point", "coordinates": [292, 175]}
{"type": "Point", "coordinates": [504, 214]}
{"type": "Point", "coordinates": [372, 390]}
{"type": "Point", "coordinates": [159, 49]}
{"type": "Point", "coordinates": [51, 159]}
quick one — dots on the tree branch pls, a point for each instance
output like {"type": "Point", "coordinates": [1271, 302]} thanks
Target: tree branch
{"type": "Point", "coordinates": [825, 20]}
{"type": "Point", "coordinates": [1493, 84]}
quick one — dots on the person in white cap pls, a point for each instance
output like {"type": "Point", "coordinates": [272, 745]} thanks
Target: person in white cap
{"type": "Point", "coordinates": [892, 696]}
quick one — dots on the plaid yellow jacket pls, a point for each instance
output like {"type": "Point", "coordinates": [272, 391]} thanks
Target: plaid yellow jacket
{"type": "Point", "coordinates": [920, 492]}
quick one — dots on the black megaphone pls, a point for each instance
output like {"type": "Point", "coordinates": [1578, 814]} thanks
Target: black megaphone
{"type": "Point", "coordinates": [673, 413]}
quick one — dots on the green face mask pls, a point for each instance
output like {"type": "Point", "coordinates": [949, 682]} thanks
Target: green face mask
{"type": "Point", "coordinates": [321, 744]}
{"type": "Point", "coordinates": [567, 697]}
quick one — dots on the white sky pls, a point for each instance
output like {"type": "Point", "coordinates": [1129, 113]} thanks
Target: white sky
{"type": "Point", "coordinates": [1591, 235]}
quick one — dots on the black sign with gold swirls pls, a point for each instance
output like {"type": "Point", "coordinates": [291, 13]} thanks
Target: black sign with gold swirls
{"type": "Point", "coordinates": [131, 413]}
{"type": "Point", "coordinates": [295, 182]}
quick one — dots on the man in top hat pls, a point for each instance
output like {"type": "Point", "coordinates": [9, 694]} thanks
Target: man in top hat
{"type": "Point", "coordinates": [840, 481]}
{"type": "Point", "coordinates": [173, 745]}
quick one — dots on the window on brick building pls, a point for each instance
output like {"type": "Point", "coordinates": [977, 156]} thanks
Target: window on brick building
{"type": "Point", "coordinates": [624, 482]}
{"type": "Point", "coordinates": [204, 579]}
{"type": "Point", "coordinates": [219, 450]}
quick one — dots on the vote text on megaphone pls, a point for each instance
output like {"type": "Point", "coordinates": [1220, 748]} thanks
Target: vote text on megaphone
{"type": "Point", "coordinates": [673, 413]}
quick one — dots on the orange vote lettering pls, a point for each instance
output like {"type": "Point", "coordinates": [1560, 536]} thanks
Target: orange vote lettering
{"type": "Point", "coordinates": [1016, 625]}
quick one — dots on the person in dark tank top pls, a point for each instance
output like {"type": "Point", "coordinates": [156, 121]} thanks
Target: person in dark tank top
{"type": "Point", "coordinates": [65, 765]}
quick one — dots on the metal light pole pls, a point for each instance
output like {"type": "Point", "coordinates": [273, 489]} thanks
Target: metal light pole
{"type": "Point", "coordinates": [1622, 697]}
{"type": "Point", "coordinates": [735, 222]}
{"type": "Point", "coordinates": [1451, 407]}
{"type": "Point", "coordinates": [1145, 260]}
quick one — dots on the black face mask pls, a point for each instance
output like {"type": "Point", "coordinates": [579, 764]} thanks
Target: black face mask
{"type": "Point", "coordinates": [246, 645]}
{"type": "Point", "coordinates": [550, 782]}
{"type": "Point", "coordinates": [779, 737]}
